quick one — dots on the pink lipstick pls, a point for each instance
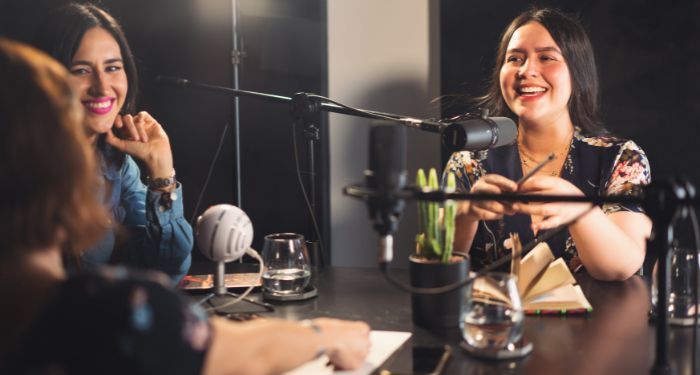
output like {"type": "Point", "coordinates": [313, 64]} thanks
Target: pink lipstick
{"type": "Point", "coordinates": [99, 106]}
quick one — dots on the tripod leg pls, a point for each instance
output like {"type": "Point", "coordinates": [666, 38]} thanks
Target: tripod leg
{"type": "Point", "coordinates": [207, 299]}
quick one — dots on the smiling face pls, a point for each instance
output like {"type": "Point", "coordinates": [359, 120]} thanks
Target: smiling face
{"type": "Point", "coordinates": [534, 78]}
{"type": "Point", "coordinates": [97, 72]}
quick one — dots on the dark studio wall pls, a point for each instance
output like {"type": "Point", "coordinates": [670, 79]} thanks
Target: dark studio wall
{"type": "Point", "coordinates": [647, 56]}
{"type": "Point", "coordinates": [285, 53]}
{"type": "Point", "coordinates": [646, 53]}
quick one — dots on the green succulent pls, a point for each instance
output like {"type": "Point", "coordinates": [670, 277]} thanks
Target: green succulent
{"type": "Point", "coordinates": [436, 237]}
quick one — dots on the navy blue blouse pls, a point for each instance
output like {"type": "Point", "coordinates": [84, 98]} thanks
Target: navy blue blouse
{"type": "Point", "coordinates": [596, 165]}
{"type": "Point", "coordinates": [116, 322]}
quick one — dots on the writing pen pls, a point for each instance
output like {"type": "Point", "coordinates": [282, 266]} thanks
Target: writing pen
{"type": "Point", "coordinates": [535, 170]}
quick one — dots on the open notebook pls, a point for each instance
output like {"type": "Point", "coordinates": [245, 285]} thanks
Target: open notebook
{"type": "Point", "coordinates": [383, 345]}
{"type": "Point", "coordinates": [546, 285]}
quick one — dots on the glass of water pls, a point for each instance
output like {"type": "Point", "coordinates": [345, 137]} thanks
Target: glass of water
{"type": "Point", "coordinates": [493, 314]}
{"type": "Point", "coordinates": [684, 268]}
{"type": "Point", "coordinates": [287, 262]}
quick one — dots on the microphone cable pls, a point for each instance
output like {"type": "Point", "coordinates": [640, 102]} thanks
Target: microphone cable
{"type": "Point", "coordinates": [209, 174]}
{"type": "Point", "coordinates": [252, 253]}
{"type": "Point", "coordinates": [306, 195]}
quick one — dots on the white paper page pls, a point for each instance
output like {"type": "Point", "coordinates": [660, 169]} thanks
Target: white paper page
{"type": "Point", "coordinates": [384, 343]}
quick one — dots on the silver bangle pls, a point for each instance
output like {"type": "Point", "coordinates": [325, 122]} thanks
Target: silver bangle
{"type": "Point", "coordinates": [160, 182]}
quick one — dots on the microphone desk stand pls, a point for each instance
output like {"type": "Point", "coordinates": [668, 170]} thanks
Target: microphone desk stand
{"type": "Point", "coordinates": [220, 290]}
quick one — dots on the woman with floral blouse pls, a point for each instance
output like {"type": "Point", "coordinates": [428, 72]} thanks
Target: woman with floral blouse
{"type": "Point", "coordinates": [545, 76]}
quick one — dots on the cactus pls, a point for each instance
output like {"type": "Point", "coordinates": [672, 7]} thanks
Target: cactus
{"type": "Point", "coordinates": [449, 218]}
{"type": "Point", "coordinates": [435, 238]}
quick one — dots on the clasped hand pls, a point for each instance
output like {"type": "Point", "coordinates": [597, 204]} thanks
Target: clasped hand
{"type": "Point", "coordinates": [141, 136]}
{"type": "Point", "coordinates": [545, 215]}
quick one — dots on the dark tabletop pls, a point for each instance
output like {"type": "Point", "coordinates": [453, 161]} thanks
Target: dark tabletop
{"type": "Point", "coordinates": [616, 338]}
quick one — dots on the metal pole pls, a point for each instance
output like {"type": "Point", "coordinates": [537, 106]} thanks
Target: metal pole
{"type": "Point", "coordinates": [236, 57]}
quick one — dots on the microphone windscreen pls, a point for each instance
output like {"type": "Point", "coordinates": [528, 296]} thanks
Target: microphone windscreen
{"type": "Point", "coordinates": [224, 232]}
{"type": "Point", "coordinates": [507, 131]}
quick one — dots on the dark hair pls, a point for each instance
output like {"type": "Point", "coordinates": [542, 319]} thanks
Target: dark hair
{"type": "Point", "coordinates": [47, 167]}
{"type": "Point", "coordinates": [576, 48]}
{"type": "Point", "coordinates": [64, 28]}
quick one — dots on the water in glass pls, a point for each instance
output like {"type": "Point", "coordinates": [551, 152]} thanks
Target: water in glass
{"type": "Point", "coordinates": [493, 316]}
{"type": "Point", "coordinates": [287, 264]}
{"type": "Point", "coordinates": [286, 281]}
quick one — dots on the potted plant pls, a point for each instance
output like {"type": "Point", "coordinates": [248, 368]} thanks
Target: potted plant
{"type": "Point", "coordinates": [434, 264]}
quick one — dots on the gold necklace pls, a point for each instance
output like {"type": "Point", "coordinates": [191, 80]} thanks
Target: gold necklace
{"type": "Point", "coordinates": [532, 163]}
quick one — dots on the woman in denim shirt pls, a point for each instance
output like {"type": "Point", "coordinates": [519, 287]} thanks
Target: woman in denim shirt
{"type": "Point", "coordinates": [91, 44]}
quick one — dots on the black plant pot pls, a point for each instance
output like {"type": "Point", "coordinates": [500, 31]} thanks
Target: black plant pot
{"type": "Point", "coordinates": [437, 310]}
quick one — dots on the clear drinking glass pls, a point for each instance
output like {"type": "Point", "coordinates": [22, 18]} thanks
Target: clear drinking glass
{"type": "Point", "coordinates": [682, 306]}
{"type": "Point", "coordinates": [493, 313]}
{"type": "Point", "coordinates": [287, 262]}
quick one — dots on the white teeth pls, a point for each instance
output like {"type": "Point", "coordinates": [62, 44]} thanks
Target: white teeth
{"type": "Point", "coordinates": [98, 105]}
{"type": "Point", "coordinates": [531, 89]}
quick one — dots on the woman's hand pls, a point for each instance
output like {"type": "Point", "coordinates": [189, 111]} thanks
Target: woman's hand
{"type": "Point", "coordinates": [350, 341]}
{"type": "Point", "coordinates": [551, 214]}
{"type": "Point", "coordinates": [141, 136]}
{"type": "Point", "coordinates": [488, 210]}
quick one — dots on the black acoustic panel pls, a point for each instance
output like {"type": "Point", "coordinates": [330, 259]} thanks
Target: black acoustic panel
{"type": "Point", "coordinates": [285, 54]}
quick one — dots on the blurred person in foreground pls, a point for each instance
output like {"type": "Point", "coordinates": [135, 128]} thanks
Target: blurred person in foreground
{"type": "Point", "coordinates": [106, 320]}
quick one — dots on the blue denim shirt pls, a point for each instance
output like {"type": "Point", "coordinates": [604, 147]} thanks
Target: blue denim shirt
{"type": "Point", "coordinates": [158, 237]}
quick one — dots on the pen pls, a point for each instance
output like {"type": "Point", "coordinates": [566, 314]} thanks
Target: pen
{"type": "Point", "coordinates": [535, 170]}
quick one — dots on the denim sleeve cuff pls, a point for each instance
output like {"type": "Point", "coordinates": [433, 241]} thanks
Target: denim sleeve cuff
{"type": "Point", "coordinates": [167, 206]}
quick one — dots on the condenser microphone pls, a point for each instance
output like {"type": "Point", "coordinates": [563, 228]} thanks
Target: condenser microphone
{"type": "Point", "coordinates": [385, 176]}
{"type": "Point", "coordinates": [479, 133]}
{"type": "Point", "coordinates": [224, 233]}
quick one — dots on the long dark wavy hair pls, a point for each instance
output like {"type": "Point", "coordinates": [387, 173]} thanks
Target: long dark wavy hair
{"type": "Point", "coordinates": [63, 30]}
{"type": "Point", "coordinates": [60, 36]}
{"type": "Point", "coordinates": [576, 48]}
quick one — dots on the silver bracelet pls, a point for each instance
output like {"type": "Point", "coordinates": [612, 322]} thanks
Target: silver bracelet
{"type": "Point", "coordinates": [160, 182]}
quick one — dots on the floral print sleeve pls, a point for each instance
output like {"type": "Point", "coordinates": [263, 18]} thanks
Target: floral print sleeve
{"type": "Point", "coordinates": [630, 173]}
{"type": "Point", "coordinates": [117, 322]}
{"type": "Point", "coordinates": [466, 168]}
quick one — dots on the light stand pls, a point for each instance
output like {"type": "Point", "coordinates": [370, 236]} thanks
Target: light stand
{"type": "Point", "coordinates": [237, 56]}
